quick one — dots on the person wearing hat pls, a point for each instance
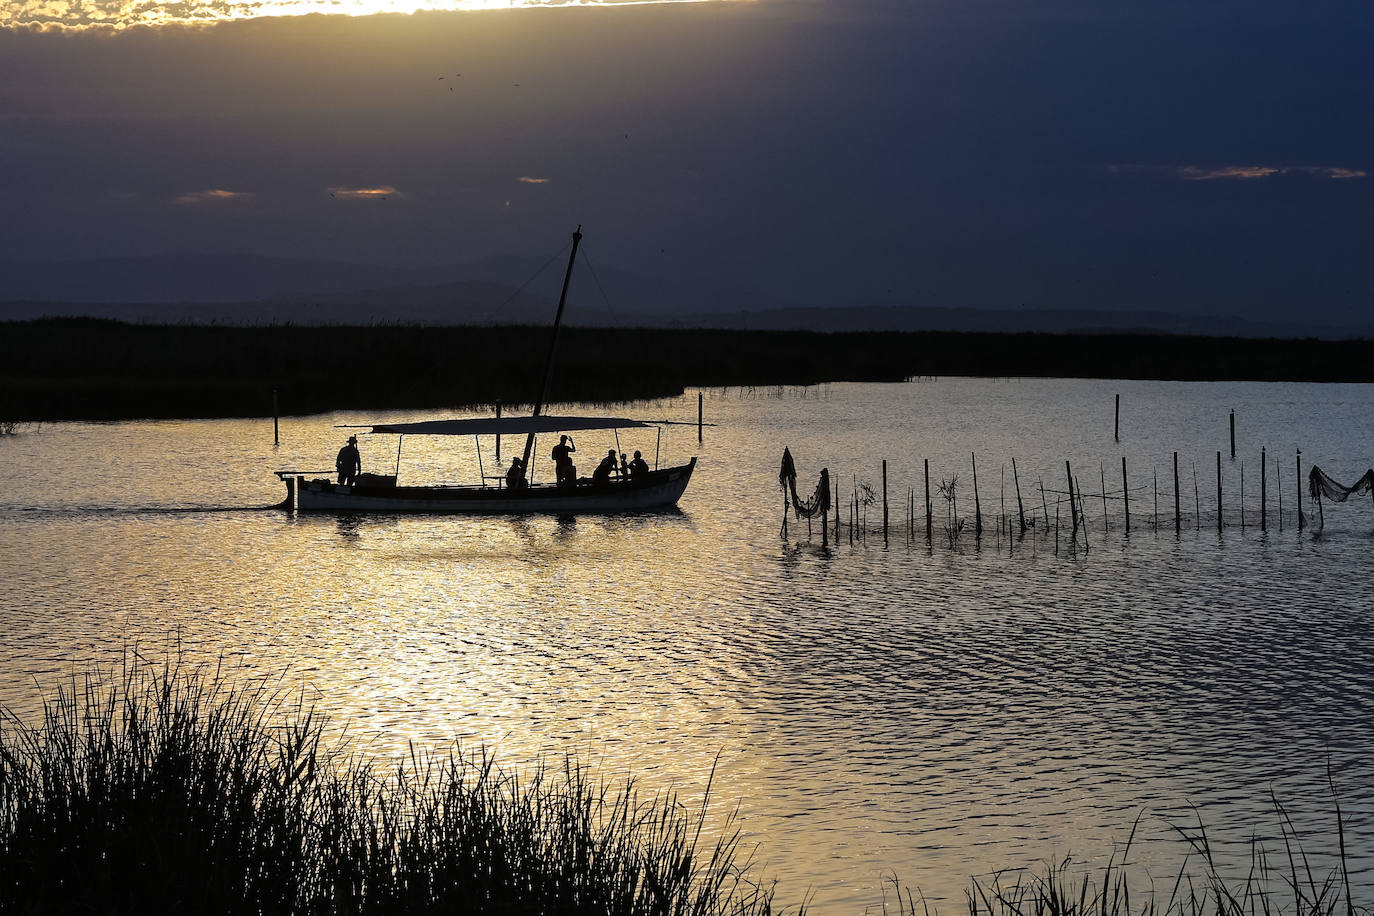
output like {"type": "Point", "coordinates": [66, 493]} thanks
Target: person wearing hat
{"type": "Point", "coordinates": [349, 463]}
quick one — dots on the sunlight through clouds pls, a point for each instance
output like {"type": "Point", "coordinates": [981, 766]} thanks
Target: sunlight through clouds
{"type": "Point", "coordinates": [214, 195]}
{"type": "Point", "coordinates": [381, 192]}
{"type": "Point", "coordinates": [123, 14]}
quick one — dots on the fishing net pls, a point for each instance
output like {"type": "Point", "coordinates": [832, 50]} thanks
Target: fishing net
{"type": "Point", "coordinates": [1320, 485]}
{"type": "Point", "coordinates": [818, 504]}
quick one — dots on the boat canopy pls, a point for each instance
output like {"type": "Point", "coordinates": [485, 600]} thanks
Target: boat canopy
{"type": "Point", "coordinates": [506, 426]}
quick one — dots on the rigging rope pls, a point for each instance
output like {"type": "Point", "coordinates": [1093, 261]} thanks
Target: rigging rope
{"type": "Point", "coordinates": [818, 504]}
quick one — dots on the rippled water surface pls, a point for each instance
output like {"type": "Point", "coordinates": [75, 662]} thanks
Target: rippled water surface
{"type": "Point", "coordinates": [934, 711]}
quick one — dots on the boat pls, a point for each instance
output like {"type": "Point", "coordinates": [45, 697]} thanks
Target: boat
{"type": "Point", "coordinates": [651, 490]}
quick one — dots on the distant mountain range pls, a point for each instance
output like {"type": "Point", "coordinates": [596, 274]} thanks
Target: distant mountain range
{"type": "Point", "coordinates": [251, 290]}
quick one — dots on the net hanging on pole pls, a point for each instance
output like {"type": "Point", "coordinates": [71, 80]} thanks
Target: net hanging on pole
{"type": "Point", "coordinates": [1319, 485]}
{"type": "Point", "coordinates": [819, 502]}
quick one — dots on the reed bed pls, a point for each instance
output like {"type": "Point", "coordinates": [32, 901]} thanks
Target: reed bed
{"type": "Point", "coordinates": [173, 791]}
{"type": "Point", "coordinates": [169, 790]}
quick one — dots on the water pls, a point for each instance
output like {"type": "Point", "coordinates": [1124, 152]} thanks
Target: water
{"type": "Point", "coordinates": [936, 712]}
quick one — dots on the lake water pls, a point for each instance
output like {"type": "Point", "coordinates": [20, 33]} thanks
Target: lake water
{"type": "Point", "coordinates": [934, 711]}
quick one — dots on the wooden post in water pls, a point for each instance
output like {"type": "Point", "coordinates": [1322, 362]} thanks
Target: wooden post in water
{"type": "Point", "coordinates": [699, 414]}
{"type": "Point", "coordinates": [1264, 491]}
{"type": "Point", "coordinates": [927, 500]}
{"type": "Point", "coordinates": [977, 507]}
{"type": "Point", "coordinates": [1125, 495]}
{"type": "Point", "coordinates": [276, 430]}
{"type": "Point", "coordinates": [1116, 426]}
{"type": "Point", "coordinates": [1082, 514]}
{"type": "Point", "coordinates": [884, 502]}
{"type": "Point", "coordinates": [1073, 512]}
{"type": "Point", "coordinates": [1102, 473]}
{"type": "Point", "coordinates": [1301, 521]}
{"type": "Point", "coordinates": [1278, 487]}
{"type": "Point", "coordinates": [825, 521]}
{"type": "Point", "coordinates": [1178, 520]}
{"type": "Point", "coordinates": [1197, 500]}
{"type": "Point", "coordinates": [1233, 435]}
{"type": "Point", "coordinates": [1218, 491]}
{"type": "Point", "coordinates": [1020, 509]}
{"type": "Point", "coordinates": [1044, 504]}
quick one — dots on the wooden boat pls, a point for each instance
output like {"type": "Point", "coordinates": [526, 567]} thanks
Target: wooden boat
{"type": "Point", "coordinates": [652, 490]}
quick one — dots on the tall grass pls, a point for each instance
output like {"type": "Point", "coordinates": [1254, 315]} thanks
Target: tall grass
{"type": "Point", "coordinates": [1292, 886]}
{"type": "Point", "coordinates": [171, 791]}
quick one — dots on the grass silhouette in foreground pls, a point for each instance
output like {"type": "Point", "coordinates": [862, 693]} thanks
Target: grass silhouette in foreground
{"type": "Point", "coordinates": [176, 792]}
{"type": "Point", "coordinates": [173, 790]}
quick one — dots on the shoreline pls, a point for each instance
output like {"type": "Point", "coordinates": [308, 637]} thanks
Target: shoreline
{"type": "Point", "coordinates": [74, 369]}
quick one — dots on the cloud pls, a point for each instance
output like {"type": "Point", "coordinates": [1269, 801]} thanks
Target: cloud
{"type": "Point", "coordinates": [380, 192]}
{"type": "Point", "coordinates": [528, 180]}
{"type": "Point", "coordinates": [215, 195]}
{"type": "Point", "coordinates": [1235, 172]}
{"type": "Point", "coordinates": [1242, 172]}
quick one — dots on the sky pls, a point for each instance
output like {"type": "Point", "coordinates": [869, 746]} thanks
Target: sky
{"type": "Point", "coordinates": [1200, 157]}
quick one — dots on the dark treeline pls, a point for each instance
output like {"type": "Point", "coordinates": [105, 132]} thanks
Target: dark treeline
{"type": "Point", "coordinates": [67, 369]}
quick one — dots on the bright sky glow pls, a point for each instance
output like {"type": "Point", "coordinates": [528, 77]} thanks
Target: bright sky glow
{"type": "Point", "coordinates": [123, 14]}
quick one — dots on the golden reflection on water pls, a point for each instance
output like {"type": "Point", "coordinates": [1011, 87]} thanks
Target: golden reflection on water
{"type": "Point", "coordinates": [123, 14]}
{"type": "Point", "coordinates": [925, 711]}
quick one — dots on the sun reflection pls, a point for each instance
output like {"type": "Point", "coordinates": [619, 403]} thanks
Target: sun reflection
{"type": "Point", "coordinates": [123, 14]}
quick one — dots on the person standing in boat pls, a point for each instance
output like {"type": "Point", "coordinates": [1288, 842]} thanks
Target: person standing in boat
{"type": "Point", "coordinates": [349, 464]}
{"type": "Point", "coordinates": [604, 470]}
{"type": "Point", "coordinates": [639, 467]}
{"type": "Point", "coordinates": [565, 474]}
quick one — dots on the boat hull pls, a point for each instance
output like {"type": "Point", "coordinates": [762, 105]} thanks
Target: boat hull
{"type": "Point", "coordinates": [655, 490]}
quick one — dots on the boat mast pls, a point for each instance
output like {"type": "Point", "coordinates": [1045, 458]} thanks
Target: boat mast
{"type": "Point", "coordinates": [553, 345]}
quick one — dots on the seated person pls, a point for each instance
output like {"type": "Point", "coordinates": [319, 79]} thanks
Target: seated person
{"type": "Point", "coordinates": [515, 475]}
{"type": "Point", "coordinates": [639, 467]}
{"type": "Point", "coordinates": [604, 470]}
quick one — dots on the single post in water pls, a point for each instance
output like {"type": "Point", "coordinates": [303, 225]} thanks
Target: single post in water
{"type": "Point", "coordinates": [1301, 521]}
{"type": "Point", "coordinates": [928, 513]}
{"type": "Point", "coordinates": [1197, 499]}
{"type": "Point", "coordinates": [1102, 473]}
{"type": "Point", "coordinates": [1116, 427]}
{"type": "Point", "coordinates": [1125, 495]}
{"type": "Point", "coordinates": [977, 507]}
{"type": "Point", "coordinates": [1178, 519]}
{"type": "Point", "coordinates": [276, 430]}
{"type": "Point", "coordinates": [1073, 513]}
{"type": "Point", "coordinates": [1278, 487]}
{"type": "Point", "coordinates": [825, 521]}
{"type": "Point", "coordinates": [884, 502]}
{"type": "Point", "coordinates": [1020, 509]}
{"type": "Point", "coordinates": [1218, 491]}
{"type": "Point", "coordinates": [1264, 491]}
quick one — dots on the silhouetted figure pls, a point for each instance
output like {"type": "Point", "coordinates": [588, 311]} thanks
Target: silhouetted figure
{"type": "Point", "coordinates": [515, 475]}
{"type": "Point", "coordinates": [639, 467]}
{"type": "Point", "coordinates": [604, 470]}
{"type": "Point", "coordinates": [349, 463]}
{"type": "Point", "coordinates": [624, 467]}
{"type": "Point", "coordinates": [565, 473]}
